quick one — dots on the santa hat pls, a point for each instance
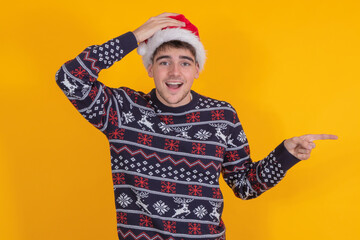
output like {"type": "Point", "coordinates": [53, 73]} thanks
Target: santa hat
{"type": "Point", "coordinates": [189, 33]}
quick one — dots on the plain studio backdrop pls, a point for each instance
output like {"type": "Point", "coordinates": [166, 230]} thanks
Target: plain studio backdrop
{"type": "Point", "coordinates": [288, 67]}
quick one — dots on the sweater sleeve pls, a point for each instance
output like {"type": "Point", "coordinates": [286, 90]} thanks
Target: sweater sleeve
{"type": "Point", "coordinates": [250, 179]}
{"type": "Point", "coordinates": [77, 78]}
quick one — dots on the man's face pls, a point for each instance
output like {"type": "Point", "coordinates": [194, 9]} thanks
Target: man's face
{"type": "Point", "coordinates": [174, 71]}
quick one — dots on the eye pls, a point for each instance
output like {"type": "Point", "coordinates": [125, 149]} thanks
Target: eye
{"type": "Point", "coordinates": [185, 64]}
{"type": "Point", "coordinates": [164, 63]}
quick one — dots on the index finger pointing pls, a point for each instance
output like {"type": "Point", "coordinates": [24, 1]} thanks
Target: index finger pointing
{"type": "Point", "coordinates": [312, 137]}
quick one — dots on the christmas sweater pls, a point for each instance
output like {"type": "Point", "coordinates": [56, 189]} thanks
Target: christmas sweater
{"type": "Point", "coordinates": [166, 162]}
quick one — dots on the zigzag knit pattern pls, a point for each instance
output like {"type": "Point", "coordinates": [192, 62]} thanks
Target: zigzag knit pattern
{"type": "Point", "coordinates": [166, 162]}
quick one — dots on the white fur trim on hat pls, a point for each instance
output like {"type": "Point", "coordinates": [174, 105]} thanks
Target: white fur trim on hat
{"type": "Point", "coordinates": [146, 50]}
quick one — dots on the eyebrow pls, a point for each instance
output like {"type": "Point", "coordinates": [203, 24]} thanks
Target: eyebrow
{"type": "Point", "coordinates": [181, 57]}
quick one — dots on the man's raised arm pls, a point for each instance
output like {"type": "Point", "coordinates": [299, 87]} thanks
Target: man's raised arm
{"type": "Point", "coordinates": [78, 77]}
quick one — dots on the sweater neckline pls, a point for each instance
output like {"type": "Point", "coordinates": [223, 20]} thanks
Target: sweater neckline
{"type": "Point", "coordinates": [163, 108]}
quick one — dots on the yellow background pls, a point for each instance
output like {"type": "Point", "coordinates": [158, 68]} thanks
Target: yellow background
{"type": "Point", "coordinates": [288, 67]}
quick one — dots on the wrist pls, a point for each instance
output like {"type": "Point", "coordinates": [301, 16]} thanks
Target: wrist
{"type": "Point", "coordinates": [285, 157]}
{"type": "Point", "coordinates": [287, 146]}
{"type": "Point", "coordinates": [136, 35]}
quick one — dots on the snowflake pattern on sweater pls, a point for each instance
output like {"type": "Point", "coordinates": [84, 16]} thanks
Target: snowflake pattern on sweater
{"type": "Point", "coordinates": [166, 162]}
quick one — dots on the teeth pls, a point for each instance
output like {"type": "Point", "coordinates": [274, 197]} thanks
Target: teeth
{"type": "Point", "coordinates": [174, 83]}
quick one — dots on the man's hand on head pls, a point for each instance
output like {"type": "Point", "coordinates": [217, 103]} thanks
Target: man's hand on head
{"type": "Point", "coordinates": [155, 24]}
{"type": "Point", "coordinates": [301, 146]}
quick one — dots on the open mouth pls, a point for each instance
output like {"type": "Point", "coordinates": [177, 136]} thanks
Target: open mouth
{"type": "Point", "coordinates": [174, 85]}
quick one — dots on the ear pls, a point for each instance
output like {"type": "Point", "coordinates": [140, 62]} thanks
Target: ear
{"type": "Point", "coordinates": [197, 73]}
{"type": "Point", "coordinates": [150, 70]}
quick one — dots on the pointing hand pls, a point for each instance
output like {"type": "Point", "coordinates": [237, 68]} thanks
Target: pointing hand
{"type": "Point", "coordinates": [301, 146]}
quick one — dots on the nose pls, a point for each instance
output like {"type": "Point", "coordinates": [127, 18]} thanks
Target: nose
{"type": "Point", "coordinates": [174, 70]}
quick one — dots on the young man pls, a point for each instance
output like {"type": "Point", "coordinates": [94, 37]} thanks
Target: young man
{"type": "Point", "coordinates": [169, 147]}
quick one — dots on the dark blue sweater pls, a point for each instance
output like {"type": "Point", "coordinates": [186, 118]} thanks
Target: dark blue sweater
{"type": "Point", "coordinates": [166, 161]}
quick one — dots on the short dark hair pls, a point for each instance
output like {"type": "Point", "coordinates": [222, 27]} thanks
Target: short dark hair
{"type": "Point", "coordinates": [175, 44]}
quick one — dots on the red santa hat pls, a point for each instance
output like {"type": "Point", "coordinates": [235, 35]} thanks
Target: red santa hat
{"type": "Point", "coordinates": [189, 33]}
